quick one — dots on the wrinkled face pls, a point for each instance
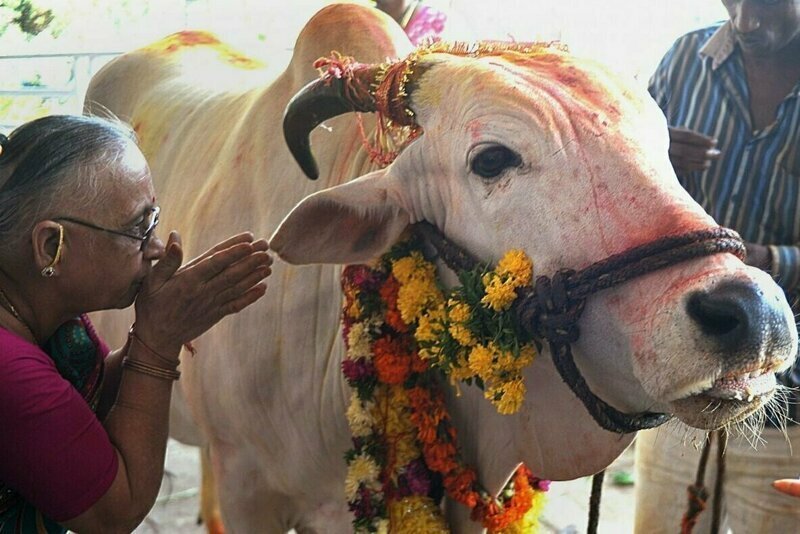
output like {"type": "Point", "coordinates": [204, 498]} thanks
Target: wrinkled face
{"type": "Point", "coordinates": [102, 269]}
{"type": "Point", "coordinates": [764, 27]}
{"type": "Point", "coordinates": [562, 160]}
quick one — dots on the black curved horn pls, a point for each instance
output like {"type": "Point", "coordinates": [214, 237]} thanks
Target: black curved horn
{"type": "Point", "coordinates": [316, 102]}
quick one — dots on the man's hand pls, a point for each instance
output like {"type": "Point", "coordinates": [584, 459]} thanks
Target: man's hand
{"type": "Point", "coordinates": [789, 486]}
{"type": "Point", "coordinates": [690, 150]}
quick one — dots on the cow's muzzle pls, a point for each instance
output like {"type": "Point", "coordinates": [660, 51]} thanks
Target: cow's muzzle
{"type": "Point", "coordinates": [550, 310]}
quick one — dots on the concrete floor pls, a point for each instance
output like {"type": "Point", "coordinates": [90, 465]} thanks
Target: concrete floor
{"type": "Point", "coordinates": [566, 511]}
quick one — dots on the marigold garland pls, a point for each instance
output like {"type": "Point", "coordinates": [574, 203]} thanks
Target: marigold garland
{"type": "Point", "coordinates": [401, 333]}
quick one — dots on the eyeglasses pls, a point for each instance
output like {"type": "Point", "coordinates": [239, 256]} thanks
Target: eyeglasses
{"type": "Point", "coordinates": [143, 231]}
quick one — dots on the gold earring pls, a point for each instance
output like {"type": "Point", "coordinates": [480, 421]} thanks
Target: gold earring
{"type": "Point", "coordinates": [50, 270]}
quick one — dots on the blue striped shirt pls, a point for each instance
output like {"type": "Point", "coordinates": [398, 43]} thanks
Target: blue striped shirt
{"type": "Point", "coordinates": [754, 187]}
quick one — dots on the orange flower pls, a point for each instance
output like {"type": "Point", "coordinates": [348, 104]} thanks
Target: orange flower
{"type": "Point", "coordinates": [395, 320]}
{"type": "Point", "coordinates": [460, 484]}
{"type": "Point", "coordinates": [418, 365]}
{"type": "Point", "coordinates": [392, 364]}
{"type": "Point", "coordinates": [440, 456]}
{"type": "Point", "coordinates": [515, 508]}
{"type": "Point", "coordinates": [388, 292]}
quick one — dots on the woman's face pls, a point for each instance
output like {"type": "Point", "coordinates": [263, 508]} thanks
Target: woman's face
{"type": "Point", "coordinates": [102, 270]}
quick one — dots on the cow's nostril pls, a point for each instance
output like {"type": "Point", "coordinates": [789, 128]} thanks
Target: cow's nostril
{"type": "Point", "coordinates": [729, 313]}
{"type": "Point", "coordinates": [716, 317]}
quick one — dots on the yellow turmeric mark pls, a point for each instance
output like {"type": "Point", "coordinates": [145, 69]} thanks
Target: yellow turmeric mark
{"type": "Point", "coordinates": [181, 41]}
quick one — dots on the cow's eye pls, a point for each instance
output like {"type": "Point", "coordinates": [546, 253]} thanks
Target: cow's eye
{"type": "Point", "coordinates": [493, 160]}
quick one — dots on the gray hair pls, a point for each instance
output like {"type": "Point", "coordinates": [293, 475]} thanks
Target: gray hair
{"type": "Point", "coordinates": [51, 162]}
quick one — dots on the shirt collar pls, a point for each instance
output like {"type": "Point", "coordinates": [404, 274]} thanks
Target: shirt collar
{"type": "Point", "coordinates": [720, 45]}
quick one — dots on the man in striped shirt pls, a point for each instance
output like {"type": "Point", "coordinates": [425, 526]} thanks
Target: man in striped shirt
{"type": "Point", "coordinates": [731, 96]}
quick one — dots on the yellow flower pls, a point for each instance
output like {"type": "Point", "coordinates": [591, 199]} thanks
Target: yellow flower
{"type": "Point", "coordinates": [406, 450]}
{"type": "Point", "coordinates": [359, 417]}
{"type": "Point", "coordinates": [413, 298]}
{"type": "Point", "coordinates": [510, 393]}
{"type": "Point", "coordinates": [362, 469]}
{"type": "Point", "coordinates": [481, 361]}
{"type": "Point", "coordinates": [516, 264]}
{"type": "Point", "coordinates": [459, 368]}
{"type": "Point", "coordinates": [433, 354]}
{"type": "Point", "coordinates": [507, 362]}
{"type": "Point", "coordinates": [460, 312]}
{"type": "Point", "coordinates": [413, 267]}
{"type": "Point", "coordinates": [414, 514]}
{"type": "Point", "coordinates": [428, 329]}
{"type": "Point", "coordinates": [462, 334]}
{"type": "Point", "coordinates": [392, 412]}
{"type": "Point", "coordinates": [499, 295]}
{"type": "Point", "coordinates": [405, 268]}
{"type": "Point", "coordinates": [354, 310]}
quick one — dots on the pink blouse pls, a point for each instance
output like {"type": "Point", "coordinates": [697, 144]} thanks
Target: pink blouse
{"type": "Point", "coordinates": [53, 450]}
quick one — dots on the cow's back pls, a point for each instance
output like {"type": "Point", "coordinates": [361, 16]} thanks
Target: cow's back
{"type": "Point", "coordinates": [267, 381]}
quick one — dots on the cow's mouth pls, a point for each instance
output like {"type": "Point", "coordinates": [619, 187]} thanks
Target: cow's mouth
{"type": "Point", "coordinates": [729, 398]}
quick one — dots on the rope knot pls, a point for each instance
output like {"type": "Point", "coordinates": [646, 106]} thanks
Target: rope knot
{"type": "Point", "coordinates": [547, 311]}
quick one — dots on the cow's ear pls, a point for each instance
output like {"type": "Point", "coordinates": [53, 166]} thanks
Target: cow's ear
{"type": "Point", "coordinates": [350, 223]}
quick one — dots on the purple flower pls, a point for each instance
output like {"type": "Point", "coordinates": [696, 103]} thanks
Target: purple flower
{"type": "Point", "coordinates": [417, 478]}
{"type": "Point", "coordinates": [363, 277]}
{"type": "Point", "coordinates": [362, 507]}
{"type": "Point", "coordinates": [356, 370]}
{"type": "Point", "coordinates": [541, 484]}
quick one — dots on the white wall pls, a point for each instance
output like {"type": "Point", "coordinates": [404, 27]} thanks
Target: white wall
{"type": "Point", "coordinates": [630, 34]}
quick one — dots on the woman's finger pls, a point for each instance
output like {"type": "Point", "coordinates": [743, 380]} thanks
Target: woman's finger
{"type": "Point", "coordinates": [167, 266]}
{"type": "Point", "coordinates": [211, 266]}
{"type": "Point", "coordinates": [244, 237]}
{"type": "Point", "coordinates": [248, 298]}
{"type": "Point", "coordinates": [233, 273]}
{"type": "Point", "coordinates": [253, 278]}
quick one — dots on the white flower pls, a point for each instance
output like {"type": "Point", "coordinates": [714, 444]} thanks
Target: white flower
{"type": "Point", "coordinates": [358, 417]}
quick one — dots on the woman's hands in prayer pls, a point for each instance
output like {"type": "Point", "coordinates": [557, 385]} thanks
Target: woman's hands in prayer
{"type": "Point", "coordinates": [178, 303]}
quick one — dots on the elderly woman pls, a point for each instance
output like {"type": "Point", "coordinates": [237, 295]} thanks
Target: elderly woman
{"type": "Point", "coordinates": [84, 430]}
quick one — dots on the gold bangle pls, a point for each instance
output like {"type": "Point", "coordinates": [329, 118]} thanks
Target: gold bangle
{"type": "Point", "coordinates": [151, 370]}
{"type": "Point", "coordinates": [167, 361]}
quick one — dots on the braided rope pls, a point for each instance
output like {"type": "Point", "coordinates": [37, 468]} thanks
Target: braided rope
{"type": "Point", "coordinates": [594, 502]}
{"type": "Point", "coordinates": [697, 492]}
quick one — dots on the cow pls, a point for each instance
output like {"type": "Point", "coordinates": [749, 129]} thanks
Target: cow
{"type": "Point", "coordinates": [548, 153]}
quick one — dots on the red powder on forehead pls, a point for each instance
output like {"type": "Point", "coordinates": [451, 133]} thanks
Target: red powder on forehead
{"type": "Point", "coordinates": [564, 72]}
{"type": "Point", "coordinates": [475, 128]}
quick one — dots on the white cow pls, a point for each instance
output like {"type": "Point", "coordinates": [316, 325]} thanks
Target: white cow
{"type": "Point", "coordinates": [578, 171]}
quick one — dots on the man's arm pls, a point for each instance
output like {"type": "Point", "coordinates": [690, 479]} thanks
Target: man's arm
{"type": "Point", "coordinates": [785, 266]}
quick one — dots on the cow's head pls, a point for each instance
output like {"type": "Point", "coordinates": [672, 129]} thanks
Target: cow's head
{"type": "Point", "coordinates": [536, 150]}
